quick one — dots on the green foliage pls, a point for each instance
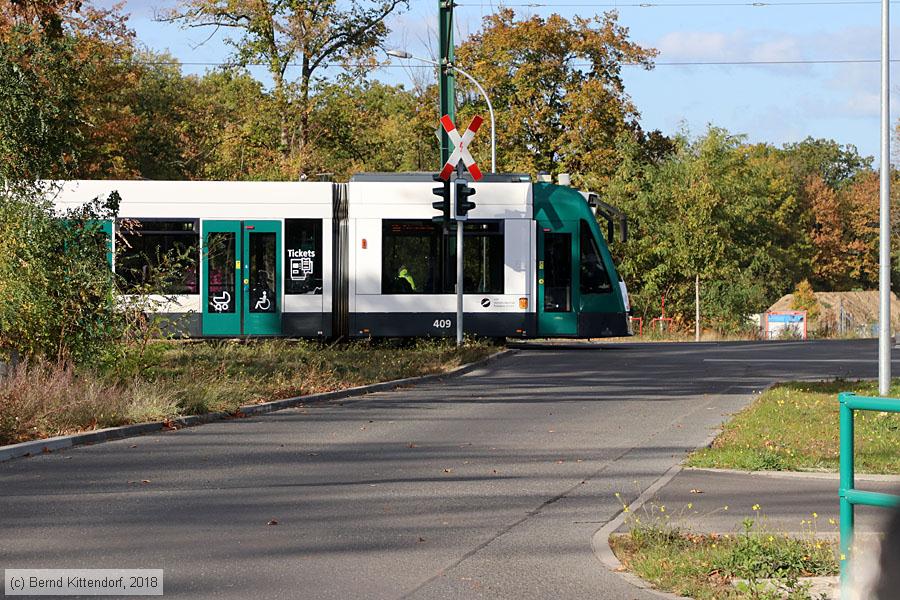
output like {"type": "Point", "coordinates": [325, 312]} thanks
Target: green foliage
{"type": "Point", "coordinates": [56, 284]}
{"type": "Point", "coordinates": [702, 566]}
{"type": "Point", "coordinates": [38, 107]}
{"type": "Point", "coordinates": [834, 163]}
{"type": "Point", "coordinates": [794, 427]}
{"type": "Point", "coordinates": [805, 299]}
{"type": "Point", "coordinates": [718, 208]}
{"type": "Point", "coordinates": [371, 126]}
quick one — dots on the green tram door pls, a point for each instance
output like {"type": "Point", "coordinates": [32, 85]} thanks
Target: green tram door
{"type": "Point", "coordinates": [241, 278]}
{"type": "Point", "coordinates": [557, 261]}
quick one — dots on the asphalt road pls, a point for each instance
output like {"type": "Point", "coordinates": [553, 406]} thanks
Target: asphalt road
{"type": "Point", "coordinates": [485, 486]}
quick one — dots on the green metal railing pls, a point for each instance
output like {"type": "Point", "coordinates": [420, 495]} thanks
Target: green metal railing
{"type": "Point", "coordinates": [850, 496]}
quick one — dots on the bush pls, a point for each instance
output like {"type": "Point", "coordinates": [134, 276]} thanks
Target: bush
{"type": "Point", "coordinates": [58, 292]}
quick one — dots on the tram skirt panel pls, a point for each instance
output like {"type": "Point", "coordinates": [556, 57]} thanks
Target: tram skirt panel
{"type": "Point", "coordinates": [440, 324]}
{"type": "Point", "coordinates": [599, 325]}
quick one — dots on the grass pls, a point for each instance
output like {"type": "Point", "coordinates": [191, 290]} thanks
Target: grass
{"type": "Point", "coordinates": [794, 427]}
{"type": "Point", "coordinates": [40, 400]}
{"type": "Point", "coordinates": [703, 566]}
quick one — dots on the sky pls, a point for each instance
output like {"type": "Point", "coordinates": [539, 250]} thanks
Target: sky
{"type": "Point", "coordinates": [781, 101]}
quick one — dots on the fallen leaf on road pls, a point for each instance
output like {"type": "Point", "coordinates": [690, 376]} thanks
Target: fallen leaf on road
{"type": "Point", "coordinates": [696, 491]}
{"type": "Point", "coordinates": [420, 540]}
{"type": "Point", "coordinates": [272, 522]}
{"type": "Point", "coordinates": [133, 446]}
{"type": "Point", "coordinates": [448, 470]}
{"type": "Point", "coordinates": [145, 481]}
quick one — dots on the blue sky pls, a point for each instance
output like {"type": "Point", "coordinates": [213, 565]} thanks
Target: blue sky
{"type": "Point", "coordinates": [770, 103]}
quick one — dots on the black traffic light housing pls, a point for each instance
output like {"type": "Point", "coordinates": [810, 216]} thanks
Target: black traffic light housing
{"type": "Point", "coordinates": [463, 205]}
{"type": "Point", "coordinates": [442, 205]}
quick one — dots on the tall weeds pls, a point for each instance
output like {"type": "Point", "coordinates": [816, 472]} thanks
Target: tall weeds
{"type": "Point", "coordinates": [41, 398]}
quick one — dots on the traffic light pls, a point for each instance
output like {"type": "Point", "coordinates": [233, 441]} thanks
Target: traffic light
{"type": "Point", "coordinates": [463, 205]}
{"type": "Point", "coordinates": [442, 205]}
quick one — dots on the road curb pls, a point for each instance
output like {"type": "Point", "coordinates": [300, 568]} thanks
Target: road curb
{"type": "Point", "coordinates": [603, 551]}
{"type": "Point", "coordinates": [45, 446]}
{"type": "Point", "coordinates": [799, 474]}
{"type": "Point", "coordinates": [600, 540]}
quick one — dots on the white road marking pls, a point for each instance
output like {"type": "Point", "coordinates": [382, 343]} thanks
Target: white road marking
{"type": "Point", "coordinates": [799, 360]}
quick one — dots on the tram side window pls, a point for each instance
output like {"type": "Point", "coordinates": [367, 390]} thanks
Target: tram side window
{"type": "Point", "coordinates": [419, 259]}
{"type": "Point", "coordinates": [160, 256]}
{"type": "Point", "coordinates": [303, 256]}
{"type": "Point", "coordinates": [482, 258]}
{"type": "Point", "coordinates": [594, 278]}
{"type": "Point", "coordinates": [412, 258]}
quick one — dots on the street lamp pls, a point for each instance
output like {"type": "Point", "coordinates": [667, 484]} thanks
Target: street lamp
{"type": "Point", "coordinates": [407, 56]}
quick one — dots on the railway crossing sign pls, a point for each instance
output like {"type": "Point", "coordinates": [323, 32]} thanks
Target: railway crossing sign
{"type": "Point", "coordinates": [460, 147]}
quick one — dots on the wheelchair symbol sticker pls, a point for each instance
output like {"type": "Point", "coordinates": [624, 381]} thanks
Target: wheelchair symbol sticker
{"type": "Point", "coordinates": [263, 304]}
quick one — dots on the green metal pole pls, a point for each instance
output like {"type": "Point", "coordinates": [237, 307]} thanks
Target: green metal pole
{"type": "Point", "coordinates": [846, 485]}
{"type": "Point", "coordinates": [446, 80]}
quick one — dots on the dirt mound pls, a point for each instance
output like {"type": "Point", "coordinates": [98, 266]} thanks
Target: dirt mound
{"type": "Point", "coordinates": [858, 309]}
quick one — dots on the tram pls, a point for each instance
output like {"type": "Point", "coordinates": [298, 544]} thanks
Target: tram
{"type": "Point", "coordinates": [365, 258]}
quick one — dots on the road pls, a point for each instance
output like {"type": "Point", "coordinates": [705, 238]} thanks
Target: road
{"type": "Point", "coordinates": [489, 485]}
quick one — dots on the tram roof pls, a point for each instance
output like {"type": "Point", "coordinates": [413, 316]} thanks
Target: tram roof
{"type": "Point", "coordinates": [420, 176]}
{"type": "Point", "coordinates": [205, 199]}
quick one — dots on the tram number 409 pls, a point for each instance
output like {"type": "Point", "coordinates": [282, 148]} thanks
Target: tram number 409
{"type": "Point", "coordinates": [442, 324]}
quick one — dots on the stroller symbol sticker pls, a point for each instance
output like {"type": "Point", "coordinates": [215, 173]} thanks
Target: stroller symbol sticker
{"type": "Point", "coordinates": [221, 303]}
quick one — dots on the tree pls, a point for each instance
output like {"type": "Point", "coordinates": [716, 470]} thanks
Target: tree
{"type": "Point", "coordinates": [280, 33]}
{"type": "Point", "coordinates": [829, 213]}
{"type": "Point", "coordinates": [556, 87]}
{"type": "Point", "coordinates": [371, 126]}
{"type": "Point", "coordinates": [834, 163]}
{"type": "Point", "coordinates": [56, 288]}
{"type": "Point", "coordinates": [717, 208]}
{"type": "Point", "coordinates": [805, 299]}
{"type": "Point", "coordinates": [39, 103]}
{"type": "Point", "coordinates": [223, 139]}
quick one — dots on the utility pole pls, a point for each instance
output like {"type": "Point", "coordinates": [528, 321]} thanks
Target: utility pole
{"type": "Point", "coordinates": [697, 308]}
{"type": "Point", "coordinates": [884, 271]}
{"type": "Point", "coordinates": [454, 204]}
{"type": "Point", "coordinates": [446, 78]}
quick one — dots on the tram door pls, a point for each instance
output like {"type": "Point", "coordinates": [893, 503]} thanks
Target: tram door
{"type": "Point", "coordinates": [241, 278]}
{"type": "Point", "coordinates": [557, 262]}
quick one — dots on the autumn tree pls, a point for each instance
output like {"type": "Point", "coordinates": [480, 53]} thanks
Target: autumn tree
{"type": "Point", "coordinates": [557, 89]}
{"type": "Point", "coordinates": [312, 34]}
{"type": "Point", "coordinates": [371, 126]}
{"type": "Point", "coordinates": [862, 230]}
{"type": "Point", "coordinates": [226, 141]}
{"type": "Point", "coordinates": [56, 288]}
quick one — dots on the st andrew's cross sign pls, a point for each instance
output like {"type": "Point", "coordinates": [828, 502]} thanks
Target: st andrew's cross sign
{"type": "Point", "coordinates": [460, 148]}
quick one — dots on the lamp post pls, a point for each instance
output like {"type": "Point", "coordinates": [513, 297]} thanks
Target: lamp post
{"type": "Point", "coordinates": [884, 262]}
{"type": "Point", "coordinates": [406, 55]}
